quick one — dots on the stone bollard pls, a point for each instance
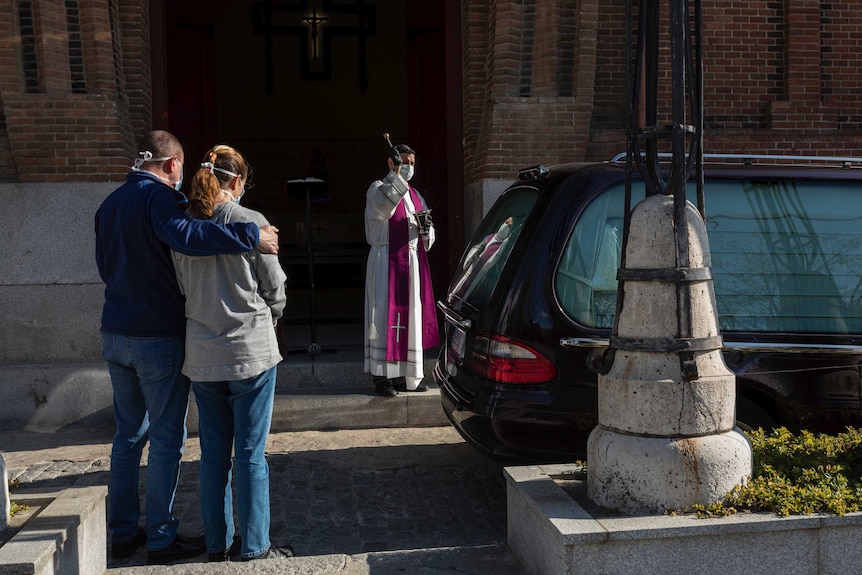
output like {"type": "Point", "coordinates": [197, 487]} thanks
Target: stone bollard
{"type": "Point", "coordinates": [5, 505]}
{"type": "Point", "coordinates": [665, 441]}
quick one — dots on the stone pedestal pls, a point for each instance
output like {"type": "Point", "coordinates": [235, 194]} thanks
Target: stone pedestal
{"type": "Point", "coordinates": [665, 441]}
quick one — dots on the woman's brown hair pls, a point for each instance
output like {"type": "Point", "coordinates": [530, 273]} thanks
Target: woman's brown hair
{"type": "Point", "coordinates": [221, 164]}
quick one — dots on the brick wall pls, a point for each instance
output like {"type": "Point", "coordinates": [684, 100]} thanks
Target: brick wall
{"type": "Point", "coordinates": [529, 71]}
{"type": "Point", "coordinates": [70, 111]}
{"type": "Point", "coordinates": [544, 81]}
{"type": "Point", "coordinates": [780, 77]}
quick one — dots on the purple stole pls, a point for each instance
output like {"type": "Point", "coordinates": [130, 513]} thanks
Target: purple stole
{"type": "Point", "coordinates": [398, 315]}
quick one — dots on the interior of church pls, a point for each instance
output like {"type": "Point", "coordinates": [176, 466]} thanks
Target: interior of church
{"type": "Point", "coordinates": [306, 89]}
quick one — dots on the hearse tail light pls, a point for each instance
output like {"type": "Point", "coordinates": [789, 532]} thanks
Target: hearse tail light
{"type": "Point", "coordinates": [506, 360]}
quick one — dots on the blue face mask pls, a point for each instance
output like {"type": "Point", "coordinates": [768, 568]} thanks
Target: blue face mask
{"type": "Point", "coordinates": [179, 184]}
{"type": "Point", "coordinates": [407, 171]}
{"type": "Point", "coordinates": [241, 195]}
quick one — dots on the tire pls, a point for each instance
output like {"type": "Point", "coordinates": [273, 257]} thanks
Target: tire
{"type": "Point", "coordinates": [750, 416]}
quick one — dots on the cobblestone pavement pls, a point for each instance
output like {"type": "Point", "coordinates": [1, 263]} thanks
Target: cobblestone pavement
{"type": "Point", "coordinates": [332, 492]}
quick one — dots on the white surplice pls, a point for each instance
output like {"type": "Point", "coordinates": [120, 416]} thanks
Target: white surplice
{"type": "Point", "coordinates": [382, 199]}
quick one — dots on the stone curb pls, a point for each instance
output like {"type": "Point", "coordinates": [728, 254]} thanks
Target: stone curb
{"type": "Point", "coordinates": [480, 559]}
{"type": "Point", "coordinates": [309, 396]}
{"type": "Point", "coordinates": [67, 535]}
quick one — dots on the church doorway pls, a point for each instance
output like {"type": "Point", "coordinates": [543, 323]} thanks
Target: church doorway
{"type": "Point", "coordinates": [306, 88]}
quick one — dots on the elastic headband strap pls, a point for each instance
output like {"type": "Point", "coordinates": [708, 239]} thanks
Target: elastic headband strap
{"type": "Point", "coordinates": [145, 157]}
{"type": "Point", "coordinates": [209, 166]}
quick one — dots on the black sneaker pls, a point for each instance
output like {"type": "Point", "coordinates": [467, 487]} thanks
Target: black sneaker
{"type": "Point", "coordinates": [230, 554]}
{"type": "Point", "coordinates": [123, 549]}
{"type": "Point", "coordinates": [182, 548]}
{"type": "Point", "coordinates": [283, 552]}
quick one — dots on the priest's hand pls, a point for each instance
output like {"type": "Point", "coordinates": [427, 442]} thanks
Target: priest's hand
{"type": "Point", "coordinates": [425, 222]}
{"type": "Point", "coordinates": [268, 240]}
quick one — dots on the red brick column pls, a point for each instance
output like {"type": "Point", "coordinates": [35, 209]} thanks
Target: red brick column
{"type": "Point", "coordinates": [134, 16]}
{"type": "Point", "coordinates": [537, 64]}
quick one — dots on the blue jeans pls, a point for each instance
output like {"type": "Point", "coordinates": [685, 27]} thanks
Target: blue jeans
{"type": "Point", "coordinates": [151, 398]}
{"type": "Point", "coordinates": [235, 414]}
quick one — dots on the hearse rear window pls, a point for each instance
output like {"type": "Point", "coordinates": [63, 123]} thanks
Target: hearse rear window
{"type": "Point", "coordinates": [483, 262]}
{"type": "Point", "coordinates": [786, 256]}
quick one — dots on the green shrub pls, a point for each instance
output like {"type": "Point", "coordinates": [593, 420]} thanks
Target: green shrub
{"type": "Point", "coordinates": [15, 507]}
{"type": "Point", "coordinates": [798, 475]}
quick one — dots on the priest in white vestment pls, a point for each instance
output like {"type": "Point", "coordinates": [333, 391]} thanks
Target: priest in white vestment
{"type": "Point", "coordinates": [400, 318]}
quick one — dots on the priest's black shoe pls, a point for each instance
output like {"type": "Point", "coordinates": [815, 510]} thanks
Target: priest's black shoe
{"type": "Point", "coordinates": [182, 548]}
{"type": "Point", "coordinates": [125, 549]}
{"type": "Point", "coordinates": [385, 388]}
{"type": "Point", "coordinates": [402, 387]}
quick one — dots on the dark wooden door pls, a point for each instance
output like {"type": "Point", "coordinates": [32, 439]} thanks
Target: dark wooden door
{"type": "Point", "coordinates": [184, 90]}
{"type": "Point", "coordinates": [434, 125]}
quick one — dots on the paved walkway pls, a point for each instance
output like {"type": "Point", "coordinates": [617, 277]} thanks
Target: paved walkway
{"type": "Point", "coordinates": [376, 501]}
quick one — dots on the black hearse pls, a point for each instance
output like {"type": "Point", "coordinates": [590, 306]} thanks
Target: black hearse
{"type": "Point", "coordinates": [535, 294]}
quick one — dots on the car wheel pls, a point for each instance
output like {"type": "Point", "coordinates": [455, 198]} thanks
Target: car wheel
{"type": "Point", "coordinates": [750, 416]}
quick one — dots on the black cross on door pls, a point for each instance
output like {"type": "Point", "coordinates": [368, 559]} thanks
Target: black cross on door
{"type": "Point", "coordinates": [314, 30]}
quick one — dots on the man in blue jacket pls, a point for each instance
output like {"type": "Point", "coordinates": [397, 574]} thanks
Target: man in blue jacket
{"type": "Point", "coordinates": [143, 339]}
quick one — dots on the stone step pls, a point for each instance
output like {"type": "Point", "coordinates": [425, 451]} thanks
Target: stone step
{"type": "Point", "coordinates": [313, 392]}
{"type": "Point", "coordinates": [357, 407]}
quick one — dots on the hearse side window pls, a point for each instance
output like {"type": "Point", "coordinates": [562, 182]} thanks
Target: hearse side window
{"type": "Point", "coordinates": [786, 256]}
{"type": "Point", "coordinates": [483, 262]}
{"type": "Point", "coordinates": [586, 278]}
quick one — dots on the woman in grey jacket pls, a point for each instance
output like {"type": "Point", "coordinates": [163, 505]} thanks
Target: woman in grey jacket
{"type": "Point", "coordinates": [232, 304]}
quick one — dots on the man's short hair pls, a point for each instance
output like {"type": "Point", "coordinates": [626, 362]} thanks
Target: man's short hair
{"type": "Point", "coordinates": [405, 149]}
{"type": "Point", "coordinates": [160, 144]}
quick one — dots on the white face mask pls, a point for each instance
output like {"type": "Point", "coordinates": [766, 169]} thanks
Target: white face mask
{"type": "Point", "coordinates": [504, 231]}
{"type": "Point", "coordinates": [407, 171]}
